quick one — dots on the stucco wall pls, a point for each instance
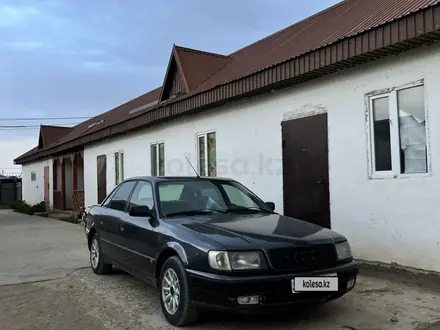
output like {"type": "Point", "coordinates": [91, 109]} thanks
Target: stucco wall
{"type": "Point", "coordinates": [33, 191]}
{"type": "Point", "coordinates": [390, 220]}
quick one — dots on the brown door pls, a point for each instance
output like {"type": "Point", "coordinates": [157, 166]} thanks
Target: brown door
{"type": "Point", "coordinates": [46, 186]}
{"type": "Point", "coordinates": [102, 177]}
{"type": "Point", "coordinates": [305, 169]}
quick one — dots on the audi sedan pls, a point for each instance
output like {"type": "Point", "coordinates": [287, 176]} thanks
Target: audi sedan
{"type": "Point", "coordinates": [212, 243]}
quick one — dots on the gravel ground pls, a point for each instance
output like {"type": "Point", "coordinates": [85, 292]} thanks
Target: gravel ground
{"type": "Point", "coordinates": [84, 300]}
{"type": "Point", "coordinates": [44, 286]}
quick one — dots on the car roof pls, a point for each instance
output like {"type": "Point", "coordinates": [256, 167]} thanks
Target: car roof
{"type": "Point", "coordinates": [155, 179]}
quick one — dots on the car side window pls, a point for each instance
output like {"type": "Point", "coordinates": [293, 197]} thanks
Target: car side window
{"type": "Point", "coordinates": [143, 195]}
{"type": "Point", "coordinates": [107, 201]}
{"type": "Point", "coordinates": [120, 199]}
{"type": "Point", "coordinates": [237, 197]}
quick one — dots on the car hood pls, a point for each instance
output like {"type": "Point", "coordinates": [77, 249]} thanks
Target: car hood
{"type": "Point", "coordinates": [261, 230]}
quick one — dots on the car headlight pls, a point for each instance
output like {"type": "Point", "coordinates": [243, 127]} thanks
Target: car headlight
{"type": "Point", "coordinates": [344, 251]}
{"type": "Point", "coordinates": [219, 260]}
{"type": "Point", "coordinates": [246, 260]}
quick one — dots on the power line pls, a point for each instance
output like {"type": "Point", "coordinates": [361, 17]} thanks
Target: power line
{"type": "Point", "coordinates": [31, 126]}
{"type": "Point", "coordinates": [12, 128]}
{"type": "Point", "coordinates": [19, 129]}
{"type": "Point", "coordinates": [42, 118]}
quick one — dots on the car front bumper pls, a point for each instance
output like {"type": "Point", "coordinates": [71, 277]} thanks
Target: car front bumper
{"type": "Point", "coordinates": [221, 291]}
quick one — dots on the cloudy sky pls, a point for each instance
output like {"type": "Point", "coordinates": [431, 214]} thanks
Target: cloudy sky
{"type": "Point", "coordinates": [70, 58]}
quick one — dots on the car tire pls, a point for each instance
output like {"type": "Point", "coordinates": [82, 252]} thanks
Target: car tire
{"type": "Point", "coordinates": [97, 260]}
{"type": "Point", "coordinates": [173, 276]}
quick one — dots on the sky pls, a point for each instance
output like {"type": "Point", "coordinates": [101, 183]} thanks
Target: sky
{"type": "Point", "coordinates": [79, 58]}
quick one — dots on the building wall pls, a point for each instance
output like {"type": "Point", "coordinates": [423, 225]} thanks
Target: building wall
{"type": "Point", "coordinates": [389, 220]}
{"type": "Point", "coordinates": [33, 191]}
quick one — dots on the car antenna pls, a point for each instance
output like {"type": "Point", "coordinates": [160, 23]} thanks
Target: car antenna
{"type": "Point", "coordinates": [192, 167]}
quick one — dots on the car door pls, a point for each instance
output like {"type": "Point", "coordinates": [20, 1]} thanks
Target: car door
{"type": "Point", "coordinates": [138, 233]}
{"type": "Point", "coordinates": [101, 222]}
{"type": "Point", "coordinates": [112, 222]}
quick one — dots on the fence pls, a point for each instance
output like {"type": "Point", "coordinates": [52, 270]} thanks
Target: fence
{"type": "Point", "coordinates": [10, 190]}
{"type": "Point", "coordinates": [10, 173]}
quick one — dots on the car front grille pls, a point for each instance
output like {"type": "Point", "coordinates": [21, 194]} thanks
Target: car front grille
{"type": "Point", "coordinates": [303, 258]}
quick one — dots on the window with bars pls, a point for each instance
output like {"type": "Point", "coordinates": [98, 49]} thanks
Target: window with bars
{"type": "Point", "coordinates": [157, 151]}
{"type": "Point", "coordinates": [398, 132]}
{"type": "Point", "coordinates": [119, 167]}
{"type": "Point", "coordinates": [206, 151]}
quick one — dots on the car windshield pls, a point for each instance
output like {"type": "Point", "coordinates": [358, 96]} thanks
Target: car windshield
{"type": "Point", "coordinates": [204, 196]}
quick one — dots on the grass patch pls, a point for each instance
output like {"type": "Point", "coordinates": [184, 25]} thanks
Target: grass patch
{"type": "Point", "coordinates": [25, 208]}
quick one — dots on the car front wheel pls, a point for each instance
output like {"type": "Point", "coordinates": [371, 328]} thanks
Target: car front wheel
{"type": "Point", "coordinates": [175, 298]}
{"type": "Point", "coordinates": [97, 258]}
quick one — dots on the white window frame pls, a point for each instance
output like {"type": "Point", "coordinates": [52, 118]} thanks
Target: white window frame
{"type": "Point", "coordinates": [205, 135]}
{"type": "Point", "coordinates": [120, 166]}
{"type": "Point", "coordinates": [157, 143]}
{"type": "Point", "coordinates": [395, 172]}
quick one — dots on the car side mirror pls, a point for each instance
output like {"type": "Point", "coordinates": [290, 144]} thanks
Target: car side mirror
{"type": "Point", "coordinates": [140, 211]}
{"type": "Point", "coordinates": [271, 205]}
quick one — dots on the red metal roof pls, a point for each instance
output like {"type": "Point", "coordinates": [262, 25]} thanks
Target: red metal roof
{"type": "Point", "coordinates": [29, 153]}
{"type": "Point", "coordinates": [110, 117]}
{"type": "Point", "coordinates": [51, 134]}
{"type": "Point", "coordinates": [198, 66]}
{"type": "Point", "coordinates": [191, 68]}
{"type": "Point", "coordinates": [345, 19]}
{"type": "Point", "coordinates": [314, 35]}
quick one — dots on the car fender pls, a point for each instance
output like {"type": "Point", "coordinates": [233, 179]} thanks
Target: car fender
{"type": "Point", "coordinates": [178, 248]}
{"type": "Point", "coordinates": [175, 248]}
{"type": "Point", "coordinates": [89, 227]}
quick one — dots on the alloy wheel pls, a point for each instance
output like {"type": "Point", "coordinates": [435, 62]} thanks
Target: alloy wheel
{"type": "Point", "coordinates": [171, 291]}
{"type": "Point", "coordinates": [94, 253]}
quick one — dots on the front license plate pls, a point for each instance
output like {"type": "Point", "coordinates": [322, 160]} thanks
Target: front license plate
{"type": "Point", "coordinates": [315, 284]}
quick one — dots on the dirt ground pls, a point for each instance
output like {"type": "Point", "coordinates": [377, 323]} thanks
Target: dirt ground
{"type": "Point", "coordinates": [46, 284]}
{"type": "Point", "coordinates": [84, 300]}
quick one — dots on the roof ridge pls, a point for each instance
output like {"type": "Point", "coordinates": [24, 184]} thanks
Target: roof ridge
{"type": "Point", "coordinates": [292, 25]}
{"type": "Point", "coordinates": [202, 52]}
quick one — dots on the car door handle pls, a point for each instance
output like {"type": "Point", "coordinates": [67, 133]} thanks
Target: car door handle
{"type": "Point", "coordinates": [121, 227]}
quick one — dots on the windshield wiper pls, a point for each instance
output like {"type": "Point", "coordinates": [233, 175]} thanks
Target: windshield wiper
{"type": "Point", "coordinates": [242, 209]}
{"type": "Point", "coordinates": [195, 212]}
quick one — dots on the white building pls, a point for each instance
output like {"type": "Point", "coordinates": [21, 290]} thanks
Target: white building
{"type": "Point", "coordinates": [335, 124]}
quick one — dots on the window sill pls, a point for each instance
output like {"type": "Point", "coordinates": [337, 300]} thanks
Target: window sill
{"type": "Point", "coordinates": [415, 175]}
{"type": "Point", "coordinates": [399, 176]}
{"type": "Point", "coordinates": [382, 176]}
